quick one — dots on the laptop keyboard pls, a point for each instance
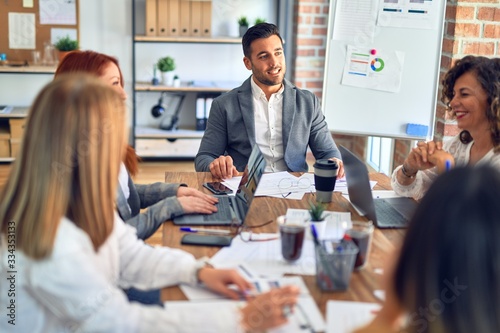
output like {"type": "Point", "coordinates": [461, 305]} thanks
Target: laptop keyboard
{"type": "Point", "coordinates": [388, 216]}
{"type": "Point", "coordinates": [223, 211]}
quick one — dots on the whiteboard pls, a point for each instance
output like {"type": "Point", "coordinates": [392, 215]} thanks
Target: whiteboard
{"type": "Point", "coordinates": [361, 111]}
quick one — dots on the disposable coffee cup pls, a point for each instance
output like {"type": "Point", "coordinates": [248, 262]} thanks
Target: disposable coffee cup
{"type": "Point", "coordinates": [325, 176]}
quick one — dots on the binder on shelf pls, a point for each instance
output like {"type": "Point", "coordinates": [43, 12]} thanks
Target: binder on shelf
{"type": "Point", "coordinates": [173, 17]}
{"type": "Point", "coordinates": [162, 17]}
{"type": "Point", "coordinates": [195, 19]}
{"type": "Point", "coordinates": [208, 105]}
{"type": "Point", "coordinates": [201, 122]}
{"type": "Point", "coordinates": [185, 16]}
{"type": "Point", "coordinates": [151, 24]}
{"type": "Point", "coordinates": [206, 18]}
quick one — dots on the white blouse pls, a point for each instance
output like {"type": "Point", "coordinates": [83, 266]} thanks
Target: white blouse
{"type": "Point", "coordinates": [425, 178]}
{"type": "Point", "coordinates": [76, 289]}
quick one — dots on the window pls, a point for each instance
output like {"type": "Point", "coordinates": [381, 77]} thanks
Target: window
{"type": "Point", "coordinates": [379, 154]}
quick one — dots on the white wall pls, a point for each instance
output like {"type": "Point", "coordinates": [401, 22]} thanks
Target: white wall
{"type": "Point", "coordinates": [106, 26]}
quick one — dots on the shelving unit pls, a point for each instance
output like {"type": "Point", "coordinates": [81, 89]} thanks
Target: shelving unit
{"type": "Point", "coordinates": [149, 140]}
{"type": "Point", "coordinates": [11, 129]}
{"type": "Point", "coordinates": [30, 69]}
{"type": "Point", "coordinates": [18, 112]}
{"type": "Point", "coordinates": [205, 65]}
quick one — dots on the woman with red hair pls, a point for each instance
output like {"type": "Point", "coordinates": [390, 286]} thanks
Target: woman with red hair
{"type": "Point", "coordinates": [163, 201]}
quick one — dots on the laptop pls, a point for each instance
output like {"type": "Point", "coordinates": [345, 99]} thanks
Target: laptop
{"type": "Point", "coordinates": [232, 209]}
{"type": "Point", "coordinates": [384, 212]}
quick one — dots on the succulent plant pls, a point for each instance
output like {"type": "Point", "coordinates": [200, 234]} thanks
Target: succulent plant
{"type": "Point", "coordinates": [316, 210]}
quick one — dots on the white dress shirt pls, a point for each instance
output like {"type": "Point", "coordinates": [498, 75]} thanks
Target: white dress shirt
{"type": "Point", "coordinates": [76, 289]}
{"type": "Point", "coordinates": [268, 117]}
{"type": "Point", "coordinates": [425, 178]}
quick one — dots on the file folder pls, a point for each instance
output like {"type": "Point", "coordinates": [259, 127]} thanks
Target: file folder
{"type": "Point", "coordinates": [162, 17]}
{"type": "Point", "coordinates": [195, 21]}
{"type": "Point", "coordinates": [151, 24]}
{"type": "Point", "coordinates": [185, 15]}
{"type": "Point", "coordinates": [206, 18]}
{"type": "Point", "coordinates": [200, 113]}
{"type": "Point", "coordinates": [173, 17]}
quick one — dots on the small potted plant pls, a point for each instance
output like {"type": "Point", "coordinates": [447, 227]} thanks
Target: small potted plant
{"type": "Point", "coordinates": [177, 81]}
{"type": "Point", "coordinates": [243, 24]}
{"type": "Point", "coordinates": [259, 20]}
{"type": "Point", "coordinates": [316, 212]}
{"type": "Point", "coordinates": [65, 45]}
{"type": "Point", "coordinates": [166, 66]}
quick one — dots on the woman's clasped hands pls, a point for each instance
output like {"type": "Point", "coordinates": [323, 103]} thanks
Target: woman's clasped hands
{"type": "Point", "coordinates": [427, 155]}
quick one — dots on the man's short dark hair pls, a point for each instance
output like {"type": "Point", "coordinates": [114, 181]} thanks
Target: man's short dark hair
{"type": "Point", "coordinates": [261, 30]}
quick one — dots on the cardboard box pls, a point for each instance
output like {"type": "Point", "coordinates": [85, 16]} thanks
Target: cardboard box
{"type": "Point", "coordinates": [15, 144]}
{"type": "Point", "coordinates": [17, 127]}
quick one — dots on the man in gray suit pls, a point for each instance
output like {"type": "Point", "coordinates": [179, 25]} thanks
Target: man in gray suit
{"type": "Point", "coordinates": [266, 110]}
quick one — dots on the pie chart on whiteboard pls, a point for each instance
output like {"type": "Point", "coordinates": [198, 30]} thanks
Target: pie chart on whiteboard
{"type": "Point", "coordinates": [377, 65]}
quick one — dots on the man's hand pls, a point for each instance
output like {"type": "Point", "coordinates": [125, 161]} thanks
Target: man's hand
{"type": "Point", "coordinates": [223, 168]}
{"type": "Point", "coordinates": [341, 172]}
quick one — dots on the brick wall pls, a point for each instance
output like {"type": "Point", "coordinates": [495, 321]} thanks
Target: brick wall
{"type": "Point", "coordinates": [471, 27]}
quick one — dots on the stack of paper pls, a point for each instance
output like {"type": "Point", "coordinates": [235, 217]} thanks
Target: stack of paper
{"type": "Point", "coordinates": [306, 316]}
{"type": "Point", "coordinates": [345, 317]}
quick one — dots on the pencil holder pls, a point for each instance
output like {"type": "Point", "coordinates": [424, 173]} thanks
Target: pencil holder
{"type": "Point", "coordinates": [334, 264]}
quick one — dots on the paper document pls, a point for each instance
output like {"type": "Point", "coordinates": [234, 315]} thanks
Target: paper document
{"type": "Point", "coordinates": [307, 314]}
{"type": "Point", "coordinates": [265, 257]}
{"type": "Point", "coordinates": [284, 184]}
{"type": "Point", "coordinates": [345, 317]}
{"type": "Point", "coordinates": [261, 285]}
{"type": "Point", "coordinates": [299, 322]}
{"type": "Point", "coordinates": [381, 71]}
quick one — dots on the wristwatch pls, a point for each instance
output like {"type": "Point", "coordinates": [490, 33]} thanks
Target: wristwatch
{"type": "Point", "coordinates": [202, 263]}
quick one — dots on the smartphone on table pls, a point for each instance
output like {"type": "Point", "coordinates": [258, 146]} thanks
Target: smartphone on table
{"type": "Point", "coordinates": [218, 188]}
{"type": "Point", "coordinates": [206, 240]}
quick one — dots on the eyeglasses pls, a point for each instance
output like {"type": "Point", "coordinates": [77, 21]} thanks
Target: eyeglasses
{"type": "Point", "coordinates": [245, 231]}
{"type": "Point", "coordinates": [288, 185]}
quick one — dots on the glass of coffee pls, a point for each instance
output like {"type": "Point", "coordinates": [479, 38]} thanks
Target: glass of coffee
{"type": "Point", "coordinates": [292, 237]}
{"type": "Point", "coordinates": [361, 234]}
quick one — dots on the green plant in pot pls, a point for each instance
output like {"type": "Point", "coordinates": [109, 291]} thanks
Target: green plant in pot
{"type": "Point", "coordinates": [166, 66]}
{"type": "Point", "coordinates": [259, 20]}
{"type": "Point", "coordinates": [243, 24]}
{"type": "Point", "coordinates": [316, 212]}
{"type": "Point", "coordinates": [65, 45]}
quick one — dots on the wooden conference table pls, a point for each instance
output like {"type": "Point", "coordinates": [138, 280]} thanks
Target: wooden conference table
{"type": "Point", "coordinates": [363, 281]}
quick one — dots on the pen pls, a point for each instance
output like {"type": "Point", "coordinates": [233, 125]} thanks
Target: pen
{"type": "Point", "coordinates": [447, 165]}
{"type": "Point", "coordinates": [314, 234]}
{"type": "Point", "coordinates": [208, 231]}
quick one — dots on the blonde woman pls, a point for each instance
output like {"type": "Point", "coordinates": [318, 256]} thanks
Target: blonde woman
{"type": "Point", "coordinates": [65, 253]}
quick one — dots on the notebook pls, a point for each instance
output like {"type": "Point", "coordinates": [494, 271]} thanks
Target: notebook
{"type": "Point", "coordinates": [232, 209]}
{"type": "Point", "coordinates": [384, 212]}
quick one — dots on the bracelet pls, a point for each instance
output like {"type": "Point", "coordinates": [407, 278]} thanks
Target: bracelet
{"type": "Point", "coordinates": [201, 263]}
{"type": "Point", "coordinates": [405, 173]}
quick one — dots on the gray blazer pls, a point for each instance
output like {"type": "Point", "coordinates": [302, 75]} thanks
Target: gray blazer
{"type": "Point", "coordinates": [231, 129]}
{"type": "Point", "coordinates": [160, 200]}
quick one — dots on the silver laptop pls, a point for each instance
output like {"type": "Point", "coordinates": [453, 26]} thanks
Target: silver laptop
{"type": "Point", "coordinates": [384, 212]}
{"type": "Point", "coordinates": [232, 209]}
